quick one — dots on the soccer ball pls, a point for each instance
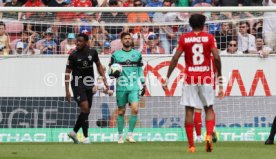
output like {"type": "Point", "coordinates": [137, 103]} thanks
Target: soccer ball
{"type": "Point", "coordinates": [115, 70]}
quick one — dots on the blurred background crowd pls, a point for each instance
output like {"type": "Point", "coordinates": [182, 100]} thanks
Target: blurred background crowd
{"type": "Point", "coordinates": [153, 33]}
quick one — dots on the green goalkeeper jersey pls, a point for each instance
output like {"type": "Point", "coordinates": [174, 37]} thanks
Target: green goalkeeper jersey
{"type": "Point", "coordinates": [132, 72]}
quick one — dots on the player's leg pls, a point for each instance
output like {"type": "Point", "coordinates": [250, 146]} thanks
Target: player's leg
{"type": "Point", "coordinates": [79, 96]}
{"type": "Point", "coordinates": [198, 124]}
{"type": "Point", "coordinates": [209, 127]}
{"type": "Point", "coordinates": [121, 97]}
{"type": "Point", "coordinates": [189, 126]}
{"type": "Point", "coordinates": [190, 100]}
{"type": "Point", "coordinates": [214, 135]}
{"type": "Point", "coordinates": [207, 97]}
{"type": "Point", "coordinates": [270, 140]}
{"type": "Point", "coordinates": [133, 98]}
{"type": "Point", "coordinates": [84, 106]}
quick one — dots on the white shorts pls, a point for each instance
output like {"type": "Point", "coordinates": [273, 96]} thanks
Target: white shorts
{"type": "Point", "coordinates": [197, 96]}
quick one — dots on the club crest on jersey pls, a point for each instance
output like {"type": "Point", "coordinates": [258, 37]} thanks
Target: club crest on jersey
{"type": "Point", "coordinates": [85, 63]}
{"type": "Point", "coordinates": [128, 62]}
{"type": "Point", "coordinates": [90, 57]}
{"type": "Point", "coordinates": [133, 56]}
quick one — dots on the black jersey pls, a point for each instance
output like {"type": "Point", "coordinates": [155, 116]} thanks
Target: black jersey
{"type": "Point", "coordinates": [81, 64]}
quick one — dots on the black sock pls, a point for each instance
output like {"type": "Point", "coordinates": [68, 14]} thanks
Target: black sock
{"type": "Point", "coordinates": [78, 122]}
{"type": "Point", "coordinates": [85, 124]}
{"type": "Point", "coordinates": [273, 130]}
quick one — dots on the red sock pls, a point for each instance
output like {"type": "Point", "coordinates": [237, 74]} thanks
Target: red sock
{"type": "Point", "coordinates": [189, 127]}
{"type": "Point", "coordinates": [210, 127]}
{"type": "Point", "coordinates": [197, 123]}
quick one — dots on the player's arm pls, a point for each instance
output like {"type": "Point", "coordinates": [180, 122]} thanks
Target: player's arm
{"type": "Point", "coordinates": [174, 62]}
{"type": "Point", "coordinates": [68, 70]}
{"type": "Point", "coordinates": [101, 72]}
{"type": "Point", "coordinates": [217, 61]}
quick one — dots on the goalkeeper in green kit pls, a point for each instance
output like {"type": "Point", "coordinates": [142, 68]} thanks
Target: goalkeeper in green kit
{"type": "Point", "coordinates": [127, 85]}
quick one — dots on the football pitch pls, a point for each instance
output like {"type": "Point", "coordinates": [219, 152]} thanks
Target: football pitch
{"type": "Point", "coordinates": [142, 150]}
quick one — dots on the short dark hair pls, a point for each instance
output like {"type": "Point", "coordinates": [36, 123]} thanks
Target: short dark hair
{"type": "Point", "coordinates": [84, 36]}
{"type": "Point", "coordinates": [25, 32]}
{"type": "Point", "coordinates": [259, 37]}
{"type": "Point", "coordinates": [2, 23]}
{"type": "Point", "coordinates": [245, 22]}
{"type": "Point", "coordinates": [164, 1]}
{"type": "Point", "coordinates": [125, 34]}
{"type": "Point", "coordinates": [197, 21]}
{"type": "Point", "coordinates": [113, 2]}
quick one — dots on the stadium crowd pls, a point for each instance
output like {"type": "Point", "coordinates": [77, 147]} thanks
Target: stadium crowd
{"type": "Point", "coordinates": [55, 33]}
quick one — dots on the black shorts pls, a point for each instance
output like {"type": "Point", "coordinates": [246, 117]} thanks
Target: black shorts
{"type": "Point", "coordinates": [82, 93]}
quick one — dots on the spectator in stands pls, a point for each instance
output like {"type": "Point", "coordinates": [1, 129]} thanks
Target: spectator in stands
{"type": "Point", "coordinates": [5, 48]}
{"type": "Point", "coordinates": [232, 48]}
{"type": "Point", "coordinates": [56, 3]}
{"type": "Point", "coordinates": [30, 15]}
{"type": "Point", "coordinates": [214, 26]}
{"type": "Point", "coordinates": [66, 16]}
{"type": "Point", "coordinates": [13, 3]}
{"type": "Point", "coordinates": [257, 29]}
{"type": "Point", "coordinates": [223, 36]}
{"type": "Point", "coordinates": [31, 50]}
{"type": "Point", "coordinates": [153, 47]}
{"type": "Point", "coordinates": [182, 3]}
{"type": "Point", "coordinates": [203, 3]}
{"type": "Point", "coordinates": [194, 2]}
{"type": "Point", "coordinates": [245, 40]}
{"type": "Point", "coordinates": [98, 36]}
{"type": "Point", "coordinates": [82, 3]}
{"type": "Point", "coordinates": [19, 49]}
{"type": "Point", "coordinates": [269, 25]}
{"type": "Point", "coordinates": [252, 2]}
{"type": "Point", "coordinates": [24, 39]}
{"type": "Point", "coordinates": [85, 23]}
{"type": "Point", "coordinates": [71, 43]}
{"type": "Point", "coordinates": [260, 48]}
{"type": "Point", "coordinates": [225, 3]}
{"type": "Point", "coordinates": [106, 48]}
{"type": "Point", "coordinates": [28, 27]}
{"type": "Point", "coordinates": [141, 39]}
{"type": "Point", "coordinates": [138, 17]}
{"type": "Point", "coordinates": [168, 34]}
{"type": "Point", "coordinates": [128, 3]}
{"type": "Point", "coordinates": [48, 46]}
{"type": "Point", "coordinates": [113, 17]}
{"type": "Point", "coordinates": [154, 3]}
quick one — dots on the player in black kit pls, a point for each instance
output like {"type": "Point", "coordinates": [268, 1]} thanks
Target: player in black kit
{"type": "Point", "coordinates": [80, 64]}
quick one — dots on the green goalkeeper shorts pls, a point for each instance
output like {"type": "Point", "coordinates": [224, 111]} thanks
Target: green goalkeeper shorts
{"type": "Point", "coordinates": [124, 97]}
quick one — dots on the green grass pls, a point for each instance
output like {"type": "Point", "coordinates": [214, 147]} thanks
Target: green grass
{"type": "Point", "coordinates": [142, 150]}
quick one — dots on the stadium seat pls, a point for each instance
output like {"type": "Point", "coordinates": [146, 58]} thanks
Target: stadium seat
{"type": "Point", "coordinates": [14, 29]}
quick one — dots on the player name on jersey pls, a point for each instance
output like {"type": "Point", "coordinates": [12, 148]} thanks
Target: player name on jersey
{"type": "Point", "coordinates": [196, 39]}
{"type": "Point", "coordinates": [198, 68]}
